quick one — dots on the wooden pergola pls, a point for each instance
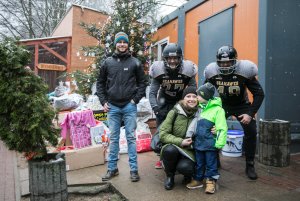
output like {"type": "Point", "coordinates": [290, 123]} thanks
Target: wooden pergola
{"type": "Point", "coordinates": [44, 44]}
{"type": "Point", "coordinates": [51, 57]}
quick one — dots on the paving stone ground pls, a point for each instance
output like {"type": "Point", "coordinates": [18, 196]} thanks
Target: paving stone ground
{"type": "Point", "coordinates": [273, 184]}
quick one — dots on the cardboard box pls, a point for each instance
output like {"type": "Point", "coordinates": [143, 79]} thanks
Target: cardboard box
{"type": "Point", "coordinates": [85, 157]}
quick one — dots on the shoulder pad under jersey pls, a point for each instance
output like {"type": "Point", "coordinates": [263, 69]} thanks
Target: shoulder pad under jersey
{"type": "Point", "coordinates": [246, 68]}
{"type": "Point", "coordinates": [157, 69]}
{"type": "Point", "coordinates": [211, 70]}
{"type": "Point", "coordinates": [188, 68]}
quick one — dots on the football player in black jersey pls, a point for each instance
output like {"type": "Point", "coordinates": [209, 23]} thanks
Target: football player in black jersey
{"type": "Point", "coordinates": [232, 78]}
{"type": "Point", "coordinates": [169, 78]}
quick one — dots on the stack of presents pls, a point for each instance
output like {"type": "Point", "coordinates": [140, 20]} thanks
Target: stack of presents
{"type": "Point", "coordinates": [84, 130]}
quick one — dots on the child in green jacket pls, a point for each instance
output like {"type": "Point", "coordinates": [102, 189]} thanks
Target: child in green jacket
{"type": "Point", "coordinates": [205, 143]}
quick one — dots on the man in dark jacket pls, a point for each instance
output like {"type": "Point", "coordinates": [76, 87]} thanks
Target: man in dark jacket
{"type": "Point", "coordinates": [120, 86]}
{"type": "Point", "coordinates": [232, 78]}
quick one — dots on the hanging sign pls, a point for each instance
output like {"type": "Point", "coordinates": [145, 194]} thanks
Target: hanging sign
{"type": "Point", "coordinates": [56, 67]}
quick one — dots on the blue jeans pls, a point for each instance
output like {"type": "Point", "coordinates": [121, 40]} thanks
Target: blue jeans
{"type": "Point", "coordinates": [206, 165]}
{"type": "Point", "coordinates": [115, 116]}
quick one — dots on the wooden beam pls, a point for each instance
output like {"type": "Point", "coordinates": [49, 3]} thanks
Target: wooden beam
{"type": "Point", "coordinates": [36, 58]}
{"type": "Point", "coordinates": [39, 41]}
{"type": "Point", "coordinates": [54, 53]}
{"type": "Point", "coordinates": [69, 55]}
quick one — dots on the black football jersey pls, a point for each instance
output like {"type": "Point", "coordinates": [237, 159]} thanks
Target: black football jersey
{"type": "Point", "coordinates": [167, 86]}
{"type": "Point", "coordinates": [172, 85]}
{"type": "Point", "coordinates": [232, 88]}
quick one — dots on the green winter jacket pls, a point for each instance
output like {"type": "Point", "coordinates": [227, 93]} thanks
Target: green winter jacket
{"type": "Point", "coordinates": [175, 135]}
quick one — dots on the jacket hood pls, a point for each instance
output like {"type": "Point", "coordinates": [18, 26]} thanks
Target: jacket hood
{"type": "Point", "coordinates": [216, 101]}
{"type": "Point", "coordinates": [180, 109]}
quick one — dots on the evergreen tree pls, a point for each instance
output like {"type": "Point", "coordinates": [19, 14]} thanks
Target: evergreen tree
{"type": "Point", "coordinates": [129, 16]}
{"type": "Point", "coordinates": [25, 113]}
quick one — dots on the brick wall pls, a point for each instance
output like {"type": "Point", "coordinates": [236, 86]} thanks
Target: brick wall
{"type": "Point", "coordinates": [81, 38]}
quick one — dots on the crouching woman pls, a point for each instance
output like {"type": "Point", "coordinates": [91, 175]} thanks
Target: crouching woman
{"type": "Point", "coordinates": [177, 154]}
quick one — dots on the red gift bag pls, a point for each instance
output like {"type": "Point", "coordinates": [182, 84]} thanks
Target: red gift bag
{"type": "Point", "coordinates": [143, 141]}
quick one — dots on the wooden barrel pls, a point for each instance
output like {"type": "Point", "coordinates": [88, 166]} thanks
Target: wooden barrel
{"type": "Point", "coordinates": [274, 142]}
{"type": "Point", "coordinates": [48, 180]}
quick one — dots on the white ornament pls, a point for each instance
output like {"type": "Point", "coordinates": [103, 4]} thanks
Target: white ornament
{"type": "Point", "coordinates": [122, 28]}
{"type": "Point", "coordinates": [107, 45]}
{"type": "Point", "coordinates": [118, 23]}
{"type": "Point", "coordinates": [123, 5]}
{"type": "Point", "coordinates": [108, 37]}
{"type": "Point", "coordinates": [152, 30]}
{"type": "Point", "coordinates": [74, 82]}
{"type": "Point", "coordinates": [94, 66]}
{"type": "Point", "coordinates": [131, 49]}
{"type": "Point", "coordinates": [132, 31]}
{"type": "Point", "coordinates": [140, 52]}
{"type": "Point", "coordinates": [78, 53]}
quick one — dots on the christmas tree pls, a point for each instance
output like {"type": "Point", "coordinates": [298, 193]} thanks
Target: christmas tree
{"type": "Point", "coordinates": [129, 16]}
{"type": "Point", "coordinates": [25, 112]}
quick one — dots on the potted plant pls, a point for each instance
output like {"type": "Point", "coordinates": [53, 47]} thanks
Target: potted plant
{"type": "Point", "coordinates": [26, 120]}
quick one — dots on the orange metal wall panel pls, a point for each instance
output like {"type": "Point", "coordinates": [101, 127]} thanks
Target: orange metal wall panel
{"type": "Point", "coordinates": [246, 29]}
{"type": "Point", "coordinates": [245, 33]}
{"type": "Point", "coordinates": [169, 30]}
{"type": "Point", "coordinates": [81, 38]}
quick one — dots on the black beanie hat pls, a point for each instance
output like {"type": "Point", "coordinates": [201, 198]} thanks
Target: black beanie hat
{"type": "Point", "coordinates": [206, 91]}
{"type": "Point", "coordinates": [189, 90]}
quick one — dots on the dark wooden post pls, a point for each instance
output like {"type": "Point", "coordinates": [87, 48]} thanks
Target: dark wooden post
{"type": "Point", "coordinates": [274, 142]}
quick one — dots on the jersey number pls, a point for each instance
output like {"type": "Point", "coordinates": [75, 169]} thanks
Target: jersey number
{"type": "Point", "coordinates": [177, 87]}
{"type": "Point", "coordinates": [232, 90]}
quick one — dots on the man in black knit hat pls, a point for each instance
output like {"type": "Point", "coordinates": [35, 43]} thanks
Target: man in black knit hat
{"type": "Point", "coordinates": [120, 86]}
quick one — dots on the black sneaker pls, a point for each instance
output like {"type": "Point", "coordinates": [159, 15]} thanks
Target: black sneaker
{"type": "Point", "coordinates": [250, 170]}
{"type": "Point", "coordinates": [134, 176]}
{"type": "Point", "coordinates": [110, 174]}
